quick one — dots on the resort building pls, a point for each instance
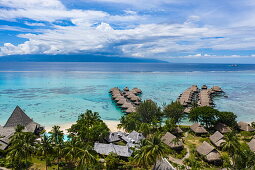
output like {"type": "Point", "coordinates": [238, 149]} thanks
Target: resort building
{"type": "Point", "coordinates": [209, 152]}
{"type": "Point", "coordinates": [114, 137]}
{"type": "Point", "coordinates": [133, 137]}
{"type": "Point", "coordinates": [169, 139]}
{"type": "Point", "coordinates": [163, 164]}
{"type": "Point", "coordinates": [222, 128]}
{"type": "Point", "coordinates": [245, 127]}
{"type": "Point", "coordinates": [217, 139]}
{"type": "Point", "coordinates": [106, 149]}
{"type": "Point", "coordinates": [198, 129]}
{"type": "Point", "coordinates": [18, 117]}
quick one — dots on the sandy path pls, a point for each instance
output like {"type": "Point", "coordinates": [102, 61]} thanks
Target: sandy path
{"type": "Point", "coordinates": [112, 125]}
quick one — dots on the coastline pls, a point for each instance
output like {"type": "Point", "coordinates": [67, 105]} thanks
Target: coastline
{"type": "Point", "coordinates": [112, 125]}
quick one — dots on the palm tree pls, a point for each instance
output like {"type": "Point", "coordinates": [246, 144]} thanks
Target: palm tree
{"type": "Point", "coordinates": [86, 157]}
{"type": "Point", "coordinates": [57, 139]}
{"type": "Point", "coordinates": [152, 149]}
{"type": "Point", "coordinates": [231, 144]}
{"type": "Point", "coordinates": [45, 149]}
{"type": "Point", "coordinates": [72, 149]}
{"type": "Point", "coordinates": [21, 147]}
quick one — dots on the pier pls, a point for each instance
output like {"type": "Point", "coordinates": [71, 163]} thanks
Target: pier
{"type": "Point", "coordinates": [193, 96]}
{"type": "Point", "coordinates": [126, 99]}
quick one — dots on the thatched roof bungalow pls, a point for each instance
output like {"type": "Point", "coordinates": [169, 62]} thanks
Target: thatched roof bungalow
{"type": "Point", "coordinates": [133, 137]}
{"type": "Point", "coordinates": [222, 128]}
{"type": "Point", "coordinates": [163, 164]}
{"type": "Point", "coordinates": [245, 127]}
{"type": "Point", "coordinates": [209, 152]}
{"type": "Point", "coordinates": [18, 117]}
{"type": "Point", "coordinates": [217, 139]}
{"type": "Point", "coordinates": [121, 102]}
{"type": "Point", "coordinates": [169, 138]}
{"type": "Point", "coordinates": [114, 137]}
{"type": "Point", "coordinates": [126, 105]}
{"type": "Point", "coordinates": [106, 149]}
{"type": "Point", "coordinates": [177, 130]}
{"type": "Point", "coordinates": [130, 110]}
{"type": "Point", "coordinates": [198, 129]}
{"type": "Point", "coordinates": [252, 144]}
{"type": "Point", "coordinates": [126, 89]}
{"type": "Point", "coordinates": [137, 90]}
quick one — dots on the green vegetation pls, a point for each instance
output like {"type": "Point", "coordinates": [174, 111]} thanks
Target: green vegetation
{"type": "Point", "coordinates": [52, 152]}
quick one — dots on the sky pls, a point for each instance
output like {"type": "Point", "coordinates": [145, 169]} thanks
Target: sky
{"type": "Point", "coordinates": [170, 30]}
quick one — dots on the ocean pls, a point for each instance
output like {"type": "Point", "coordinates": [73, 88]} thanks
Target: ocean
{"type": "Point", "coordinates": [56, 93]}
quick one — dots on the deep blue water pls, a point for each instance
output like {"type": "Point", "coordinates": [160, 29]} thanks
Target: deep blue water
{"type": "Point", "coordinates": [56, 93]}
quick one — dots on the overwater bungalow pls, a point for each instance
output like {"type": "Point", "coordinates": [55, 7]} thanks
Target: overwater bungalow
{"type": "Point", "coordinates": [137, 90]}
{"type": "Point", "coordinates": [122, 101]}
{"type": "Point", "coordinates": [169, 138]}
{"type": "Point", "coordinates": [251, 144]}
{"type": "Point", "coordinates": [216, 89]}
{"type": "Point", "coordinates": [126, 105]}
{"type": "Point", "coordinates": [18, 117]}
{"type": "Point", "coordinates": [204, 87]}
{"type": "Point", "coordinates": [130, 110]}
{"type": "Point", "coordinates": [208, 152]}
{"type": "Point", "coordinates": [222, 128]}
{"type": "Point", "coordinates": [245, 127]}
{"type": "Point", "coordinates": [119, 98]}
{"type": "Point", "coordinates": [126, 89]}
{"type": "Point", "coordinates": [217, 139]}
{"type": "Point", "coordinates": [198, 129]}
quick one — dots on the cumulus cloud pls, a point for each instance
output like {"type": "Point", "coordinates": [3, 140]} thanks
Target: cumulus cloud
{"type": "Point", "coordinates": [139, 35]}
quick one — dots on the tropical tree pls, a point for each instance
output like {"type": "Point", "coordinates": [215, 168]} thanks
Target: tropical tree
{"type": "Point", "coordinates": [130, 122]}
{"type": "Point", "coordinates": [228, 118]}
{"type": "Point", "coordinates": [205, 115]}
{"type": "Point", "coordinates": [86, 158]}
{"type": "Point", "coordinates": [57, 139]}
{"type": "Point", "coordinates": [89, 127]}
{"type": "Point", "coordinates": [21, 148]}
{"type": "Point", "coordinates": [149, 112]}
{"type": "Point", "coordinates": [170, 125]}
{"type": "Point", "coordinates": [151, 150]}
{"type": "Point", "coordinates": [45, 149]}
{"type": "Point", "coordinates": [231, 144]}
{"type": "Point", "coordinates": [174, 111]}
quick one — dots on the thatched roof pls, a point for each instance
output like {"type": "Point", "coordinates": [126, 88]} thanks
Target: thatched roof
{"type": "Point", "coordinates": [252, 144]}
{"type": "Point", "coordinates": [119, 98]}
{"type": "Point", "coordinates": [130, 110]}
{"type": "Point", "coordinates": [222, 128]}
{"type": "Point", "coordinates": [114, 137]}
{"type": "Point", "coordinates": [168, 140]}
{"type": "Point", "coordinates": [18, 117]}
{"type": "Point", "coordinates": [135, 98]}
{"type": "Point", "coordinates": [177, 130]}
{"type": "Point", "coordinates": [208, 151]}
{"type": "Point", "coordinates": [137, 90]}
{"type": "Point", "coordinates": [131, 95]}
{"type": "Point", "coordinates": [217, 139]}
{"type": "Point", "coordinates": [126, 105]}
{"type": "Point", "coordinates": [126, 89]}
{"type": "Point", "coordinates": [204, 87]}
{"type": "Point", "coordinates": [245, 127]}
{"type": "Point", "coordinates": [163, 164]}
{"type": "Point", "coordinates": [187, 109]}
{"type": "Point", "coordinates": [197, 128]}
{"type": "Point", "coordinates": [216, 89]}
{"type": "Point", "coordinates": [106, 149]}
{"type": "Point", "coordinates": [133, 137]}
{"type": "Point", "coordinates": [122, 101]}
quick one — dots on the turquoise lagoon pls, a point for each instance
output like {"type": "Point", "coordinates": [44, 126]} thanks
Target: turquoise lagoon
{"type": "Point", "coordinates": [59, 96]}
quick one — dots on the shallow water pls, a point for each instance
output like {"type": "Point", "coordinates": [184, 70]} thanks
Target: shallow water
{"type": "Point", "coordinates": [58, 96]}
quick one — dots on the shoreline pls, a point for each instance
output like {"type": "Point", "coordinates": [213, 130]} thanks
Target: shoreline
{"type": "Point", "coordinates": [112, 125]}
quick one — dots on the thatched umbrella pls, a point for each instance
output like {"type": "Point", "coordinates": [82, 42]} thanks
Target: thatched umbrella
{"type": "Point", "coordinates": [130, 110]}
{"type": "Point", "coordinates": [121, 102]}
{"type": "Point", "coordinates": [126, 89]}
{"type": "Point", "coordinates": [126, 105]}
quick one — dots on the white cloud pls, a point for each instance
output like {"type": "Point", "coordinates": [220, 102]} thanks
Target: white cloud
{"type": "Point", "coordinates": [35, 24]}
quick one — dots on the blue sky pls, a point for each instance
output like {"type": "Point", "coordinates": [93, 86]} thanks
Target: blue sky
{"type": "Point", "coordinates": [171, 30]}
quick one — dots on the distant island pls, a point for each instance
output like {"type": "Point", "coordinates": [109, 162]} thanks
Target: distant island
{"type": "Point", "coordinates": [75, 58]}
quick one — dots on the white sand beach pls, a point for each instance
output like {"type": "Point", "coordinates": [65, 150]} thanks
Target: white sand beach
{"type": "Point", "coordinates": [112, 125]}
